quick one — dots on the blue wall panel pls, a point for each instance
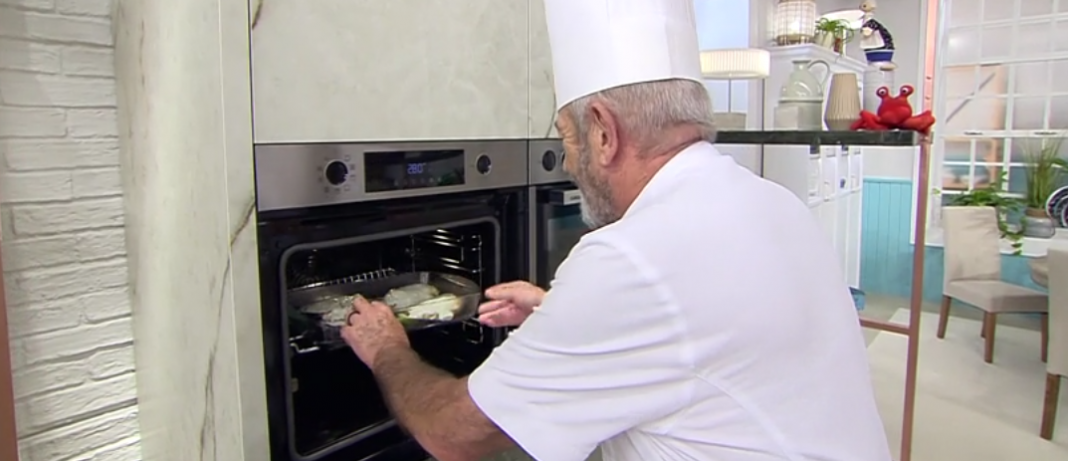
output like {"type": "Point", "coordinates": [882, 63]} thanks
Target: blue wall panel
{"type": "Point", "coordinates": [886, 254]}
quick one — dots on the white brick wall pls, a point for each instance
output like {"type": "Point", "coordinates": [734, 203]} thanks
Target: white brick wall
{"type": "Point", "coordinates": [63, 247]}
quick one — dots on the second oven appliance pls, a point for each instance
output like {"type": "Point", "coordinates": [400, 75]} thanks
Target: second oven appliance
{"type": "Point", "coordinates": [335, 214]}
{"type": "Point", "coordinates": [555, 210]}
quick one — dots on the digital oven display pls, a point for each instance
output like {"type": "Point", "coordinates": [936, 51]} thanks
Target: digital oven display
{"type": "Point", "coordinates": [393, 171]}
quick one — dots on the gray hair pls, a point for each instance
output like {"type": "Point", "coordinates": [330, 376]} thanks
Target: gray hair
{"type": "Point", "coordinates": [646, 109]}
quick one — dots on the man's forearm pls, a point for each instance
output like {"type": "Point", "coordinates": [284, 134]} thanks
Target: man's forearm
{"type": "Point", "coordinates": [415, 391]}
{"type": "Point", "coordinates": [435, 408]}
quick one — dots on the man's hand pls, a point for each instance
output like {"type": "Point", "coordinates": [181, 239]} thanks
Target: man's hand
{"type": "Point", "coordinates": [373, 328]}
{"type": "Point", "coordinates": [510, 304]}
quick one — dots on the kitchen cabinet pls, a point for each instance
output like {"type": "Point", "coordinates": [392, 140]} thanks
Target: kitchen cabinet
{"type": "Point", "coordinates": [542, 103]}
{"type": "Point", "coordinates": [829, 181]}
{"type": "Point", "coordinates": [362, 70]}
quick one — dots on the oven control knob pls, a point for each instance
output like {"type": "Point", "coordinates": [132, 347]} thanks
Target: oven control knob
{"type": "Point", "coordinates": [548, 160]}
{"type": "Point", "coordinates": [336, 173]}
{"type": "Point", "coordinates": [483, 164]}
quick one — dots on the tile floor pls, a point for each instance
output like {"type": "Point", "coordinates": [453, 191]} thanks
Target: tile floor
{"type": "Point", "coordinates": [966, 409]}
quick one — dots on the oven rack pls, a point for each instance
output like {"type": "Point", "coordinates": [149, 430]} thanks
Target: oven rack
{"type": "Point", "coordinates": [377, 274]}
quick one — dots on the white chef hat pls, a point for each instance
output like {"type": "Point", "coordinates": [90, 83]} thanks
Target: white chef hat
{"type": "Point", "coordinates": [602, 44]}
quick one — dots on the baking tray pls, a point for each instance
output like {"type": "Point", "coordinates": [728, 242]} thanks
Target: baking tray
{"type": "Point", "coordinates": [469, 292]}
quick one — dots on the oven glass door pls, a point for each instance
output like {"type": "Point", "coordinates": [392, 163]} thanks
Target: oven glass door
{"type": "Point", "coordinates": [559, 227]}
{"type": "Point", "coordinates": [324, 405]}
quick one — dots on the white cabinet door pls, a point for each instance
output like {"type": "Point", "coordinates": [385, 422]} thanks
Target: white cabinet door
{"type": "Point", "coordinates": [359, 70]}
{"type": "Point", "coordinates": [842, 182]}
{"type": "Point", "coordinates": [828, 217]}
{"type": "Point", "coordinates": [855, 203]}
{"type": "Point", "coordinates": [842, 228]}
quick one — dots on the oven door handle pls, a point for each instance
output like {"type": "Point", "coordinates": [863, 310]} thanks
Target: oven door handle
{"type": "Point", "coordinates": [568, 197]}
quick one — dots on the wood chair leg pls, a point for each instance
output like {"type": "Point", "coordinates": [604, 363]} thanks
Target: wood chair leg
{"type": "Point", "coordinates": [1049, 407]}
{"type": "Point", "coordinates": [982, 330]}
{"type": "Point", "coordinates": [1045, 336]}
{"type": "Point", "coordinates": [943, 316]}
{"type": "Point", "coordinates": [990, 322]}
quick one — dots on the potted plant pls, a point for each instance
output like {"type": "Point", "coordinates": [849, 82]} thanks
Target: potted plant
{"type": "Point", "coordinates": [833, 34]}
{"type": "Point", "coordinates": [993, 195]}
{"type": "Point", "coordinates": [1045, 172]}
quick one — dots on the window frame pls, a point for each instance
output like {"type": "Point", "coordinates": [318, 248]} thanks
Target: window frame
{"type": "Point", "coordinates": [1007, 135]}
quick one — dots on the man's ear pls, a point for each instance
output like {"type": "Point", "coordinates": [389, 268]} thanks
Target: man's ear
{"type": "Point", "coordinates": [603, 134]}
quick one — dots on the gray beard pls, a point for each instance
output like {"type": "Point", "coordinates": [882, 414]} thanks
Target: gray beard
{"type": "Point", "coordinates": [596, 202]}
{"type": "Point", "coordinates": [587, 216]}
{"type": "Point", "coordinates": [596, 211]}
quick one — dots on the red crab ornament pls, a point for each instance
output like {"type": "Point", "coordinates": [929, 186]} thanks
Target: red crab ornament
{"type": "Point", "coordinates": [895, 113]}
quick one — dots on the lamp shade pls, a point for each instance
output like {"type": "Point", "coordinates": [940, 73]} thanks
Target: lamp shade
{"type": "Point", "coordinates": [731, 64]}
{"type": "Point", "coordinates": [795, 22]}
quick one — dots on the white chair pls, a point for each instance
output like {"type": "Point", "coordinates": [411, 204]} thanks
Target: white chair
{"type": "Point", "coordinates": [1057, 363]}
{"type": "Point", "coordinates": [973, 273]}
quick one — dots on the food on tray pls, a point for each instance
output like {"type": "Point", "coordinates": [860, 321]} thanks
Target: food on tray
{"type": "Point", "coordinates": [443, 307]}
{"type": "Point", "coordinates": [402, 298]}
{"type": "Point", "coordinates": [338, 316]}
{"type": "Point", "coordinates": [323, 306]}
{"type": "Point", "coordinates": [409, 303]}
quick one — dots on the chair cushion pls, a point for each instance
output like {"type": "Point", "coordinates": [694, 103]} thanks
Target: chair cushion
{"type": "Point", "coordinates": [996, 296]}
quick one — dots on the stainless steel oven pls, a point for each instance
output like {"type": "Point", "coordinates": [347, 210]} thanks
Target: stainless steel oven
{"type": "Point", "coordinates": [336, 214]}
{"type": "Point", "coordinates": [555, 210]}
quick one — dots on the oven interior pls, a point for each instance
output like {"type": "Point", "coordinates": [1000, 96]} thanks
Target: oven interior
{"type": "Point", "coordinates": [333, 397]}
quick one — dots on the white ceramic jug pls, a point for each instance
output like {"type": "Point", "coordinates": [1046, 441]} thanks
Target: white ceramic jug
{"type": "Point", "coordinates": [803, 85]}
{"type": "Point", "coordinates": [802, 94]}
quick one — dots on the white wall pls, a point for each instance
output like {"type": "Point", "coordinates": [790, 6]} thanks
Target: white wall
{"type": "Point", "coordinates": [906, 20]}
{"type": "Point", "coordinates": [63, 245]}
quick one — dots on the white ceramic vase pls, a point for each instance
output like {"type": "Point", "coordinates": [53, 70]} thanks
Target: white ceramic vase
{"type": "Point", "coordinates": [843, 102]}
{"type": "Point", "coordinates": [874, 78]}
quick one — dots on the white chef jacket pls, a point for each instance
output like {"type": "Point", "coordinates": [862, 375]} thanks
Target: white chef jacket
{"type": "Point", "coordinates": [710, 323]}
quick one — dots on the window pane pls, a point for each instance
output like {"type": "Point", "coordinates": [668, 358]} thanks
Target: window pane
{"type": "Point", "coordinates": [989, 150]}
{"type": "Point", "coordinates": [1059, 83]}
{"type": "Point", "coordinates": [1018, 180]}
{"type": "Point", "coordinates": [1058, 112]}
{"type": "Point", "coordinates": [957, 151]}
{"type": "Point", "coordinates": [947, 199]}
{"type": "Point", "coordinates": [960, 81]}
{"type": "Point", "coordinates": [1033, 39]}
{"type": "Point", "coordinates": [1029, 113]}
{"type": "Point", "coordinates": [962, 46]}
{"type": "Point", "coordinates": [963, 13]}
{"type": "Point", "coordinates": [974, 114]}
{"type": "Point", "coordinates": [985, 174]}
{"type": "Point", "coordinates": [995, 45]}
{"type": "Point", "coordinates": [993, 10]}
{"type": "Point", "coordinates": [1023, 147]}
{"type": "Point", "coordinates": [1031, 78]}
{"type": "Point", "coordinates": [1034, 7]}
{"type": "Point", "coordinates": [1060, 34]}
{"type": "Point", "coordinates": [993, 80]}
{"type": "Point", "coordinates": [955, 177]}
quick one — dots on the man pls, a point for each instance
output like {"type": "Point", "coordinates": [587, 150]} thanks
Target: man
{"type": "Point", "coordinates": [704, 319]}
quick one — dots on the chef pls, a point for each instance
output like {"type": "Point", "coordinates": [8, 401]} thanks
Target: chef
{"type": "Point", "coordinates": [705, 317]}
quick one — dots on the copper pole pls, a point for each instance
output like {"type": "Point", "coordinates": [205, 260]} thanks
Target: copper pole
{"type": "Point", "coordinates": [8, 437]}
{"type": "Point", "coordinates": [920, 237]}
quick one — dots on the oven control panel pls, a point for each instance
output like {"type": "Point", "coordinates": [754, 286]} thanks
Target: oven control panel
{"type": "Point", "coordinates": [305, 175]}
{"type": "Point", "coordinates": [545, 162]}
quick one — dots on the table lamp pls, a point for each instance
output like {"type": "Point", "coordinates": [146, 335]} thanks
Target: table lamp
{"type": "Point", "coordinates": [730, 65]}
